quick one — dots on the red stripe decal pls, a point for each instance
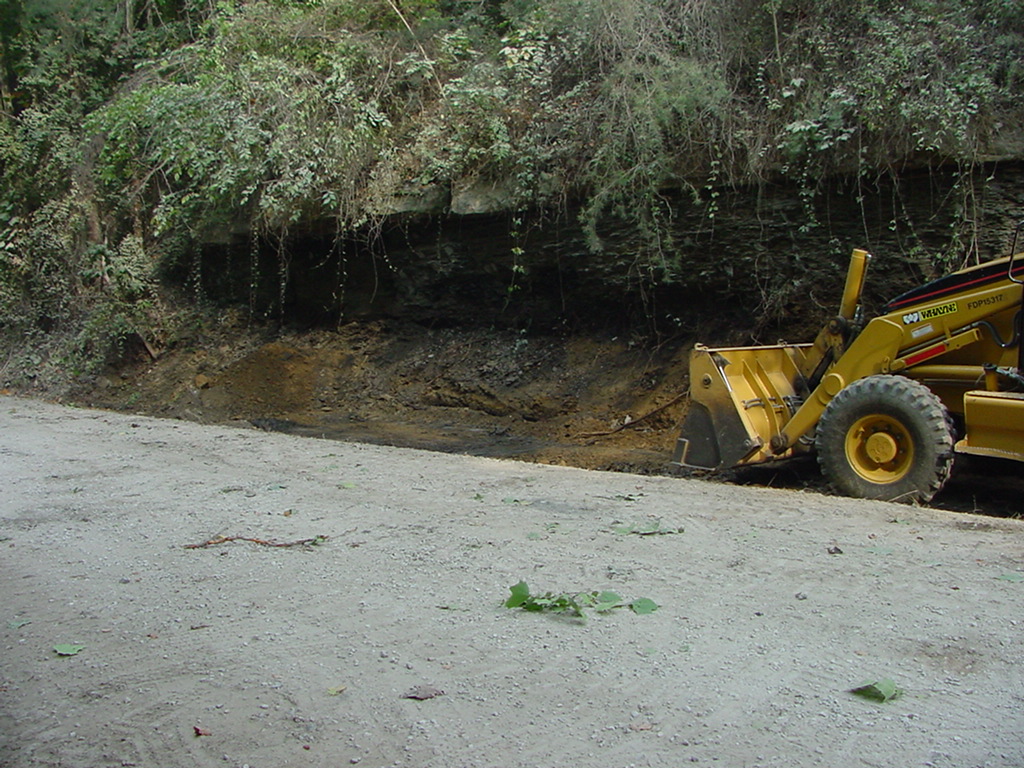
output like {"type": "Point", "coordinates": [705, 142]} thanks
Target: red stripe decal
{"type": "Point", "coordinates": [926, 354]}
{"type": "Point", "coordinates": [951, 289]}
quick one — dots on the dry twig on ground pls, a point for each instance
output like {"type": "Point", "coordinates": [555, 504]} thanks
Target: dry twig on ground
{"type": "Point", "coordinates": [633, 422]}
{"type": "Point", "coordinates": [225, 539]}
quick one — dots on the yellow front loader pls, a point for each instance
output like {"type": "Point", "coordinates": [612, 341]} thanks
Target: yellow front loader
{"type": "Point", "coordinates": [883, 406]}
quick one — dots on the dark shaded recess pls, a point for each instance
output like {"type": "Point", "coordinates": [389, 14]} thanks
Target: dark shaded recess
{"type": "Point", "coordinates": [763, 261]}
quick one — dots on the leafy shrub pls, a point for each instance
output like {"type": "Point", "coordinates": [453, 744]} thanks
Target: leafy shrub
{"type": "Point", "coordinates": [187, 121]}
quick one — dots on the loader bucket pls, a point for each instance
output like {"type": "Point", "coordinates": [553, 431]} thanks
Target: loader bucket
{"type": "Point", "coordinates": [740, 398]}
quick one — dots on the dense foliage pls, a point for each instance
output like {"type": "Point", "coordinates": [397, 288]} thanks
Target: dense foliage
{"type": "Point", "coordinates": [131, 130]}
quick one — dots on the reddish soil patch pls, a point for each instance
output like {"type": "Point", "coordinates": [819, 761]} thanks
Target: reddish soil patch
{"type": "Point", "coordinates": [598, 403]}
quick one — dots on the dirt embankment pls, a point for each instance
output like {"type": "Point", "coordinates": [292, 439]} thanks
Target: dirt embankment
{"type": "Point", "coordinates": [125, 644]}
{"type": "Point", "coordinates": [479, 391]}
{"type": "Point", "coordinates": [585, 401]}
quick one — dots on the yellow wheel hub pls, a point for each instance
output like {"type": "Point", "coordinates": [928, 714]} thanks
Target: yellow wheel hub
{"type": "Point", "coordinates": [879, 448]}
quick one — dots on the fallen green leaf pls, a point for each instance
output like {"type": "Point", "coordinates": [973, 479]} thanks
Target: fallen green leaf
{"type": "Point", "coordinates": [1015, 577]}
{"type": "Point", "coordinates": [647, 528]}
{"type": "Point", "coordinates": [879, 550]}
{"type": "Point", "coordinates": [607, 600]}
{"type": "Point", "coordinates": [18, 624]}
{"type": "Point", "coordinates": [336, 691]}
{"type": "Point", "coordinates": [520, 594]}
{"type": "Point", "coordinates": [880, 690]}
{"type": "Point", "coordinates": [643, 605]}
{"type": "Point", "coordinates": [67, 649]}
{"type": "Point", "coordinates": [574, 604]}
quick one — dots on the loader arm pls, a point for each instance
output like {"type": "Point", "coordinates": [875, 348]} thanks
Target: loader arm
{"type": "Point", "coordinates": [756, 404]}
{"type": "Point", "coordinates": [910, 342]}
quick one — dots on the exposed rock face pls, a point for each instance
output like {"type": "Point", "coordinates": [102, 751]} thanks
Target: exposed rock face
{"type": "Point", "coordinates": [415, 199]}
{"type": "Point", "coordinates": [764, 258]}
{"type": "Point", "coordinates": [480, 196]}
{"type": "Point", "coordinates": [1006, 145]}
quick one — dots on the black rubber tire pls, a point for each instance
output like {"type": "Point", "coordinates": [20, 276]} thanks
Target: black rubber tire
{"type": "Point", "coordinates": [907, 422]}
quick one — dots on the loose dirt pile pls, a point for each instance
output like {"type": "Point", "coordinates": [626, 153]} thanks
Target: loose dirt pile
{"type": "Point", "coordinates": [773, 604]}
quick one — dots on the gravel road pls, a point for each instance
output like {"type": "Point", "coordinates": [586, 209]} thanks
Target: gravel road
{"type": "Point", "coordinates": [773, 605]}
